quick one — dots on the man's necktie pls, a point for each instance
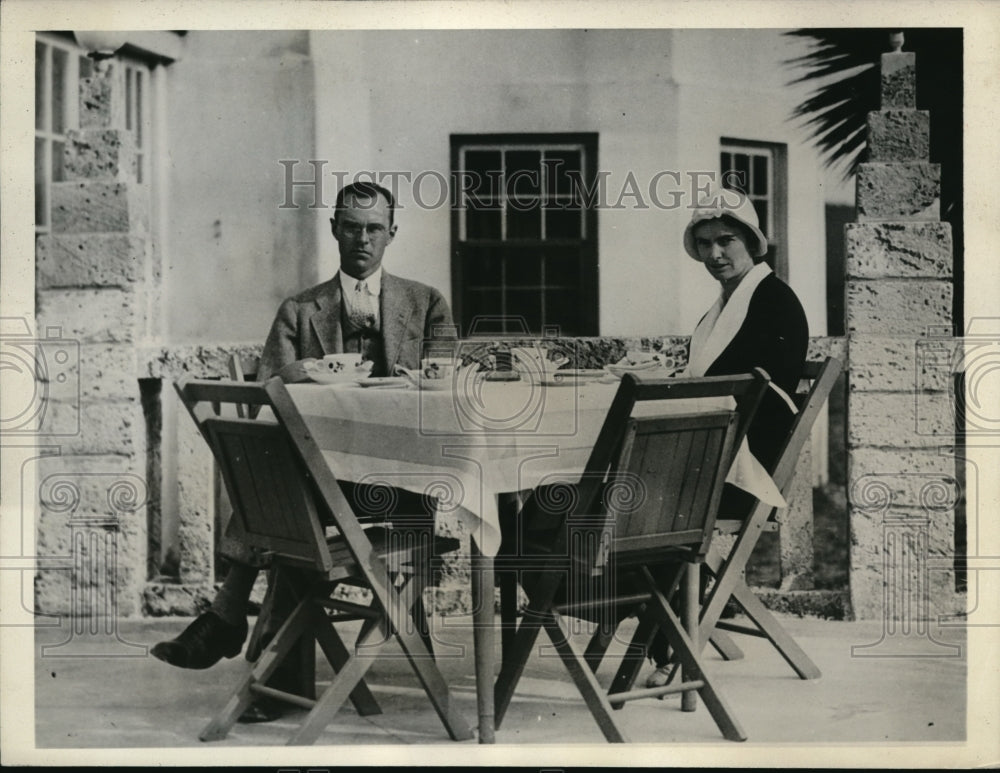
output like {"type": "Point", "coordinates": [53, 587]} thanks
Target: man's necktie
{"type": "Point", "coordinates": [364, 308]}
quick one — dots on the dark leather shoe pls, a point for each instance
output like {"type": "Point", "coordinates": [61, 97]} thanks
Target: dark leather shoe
{"type": "Point", "coordinates": [203, 643]}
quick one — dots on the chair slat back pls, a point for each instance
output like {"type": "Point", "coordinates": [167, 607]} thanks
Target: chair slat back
{"type": "Point", "coordinates": [668, 479]}
{"type": "Point", "coordinates": [271, 496]}
{"type": "Point", "coordinates": [270, 488]}
{"type": "Point", "coordinates": [680, 460]}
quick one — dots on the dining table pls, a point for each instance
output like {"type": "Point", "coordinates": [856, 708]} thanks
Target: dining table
{"type": "Point", "coordinates": [469, 441]}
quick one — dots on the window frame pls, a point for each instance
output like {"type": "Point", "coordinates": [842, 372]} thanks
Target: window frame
{"type": "Point", "coordinates": [776, 229]}
{"type": "Point", "coordinates": [587, 264]}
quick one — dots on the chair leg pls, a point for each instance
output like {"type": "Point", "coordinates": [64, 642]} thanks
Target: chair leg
{"type": "Point", "coordinates": [725, 645]}
{"type": "Point", "coordinates": [771, 628]}
{"type": "Point", "coordinates": [277, 650]}
{"type": "Point", "coordinates": [344, 683]}
{"type": "Point", "coordinates": [508, 612]}
{"type": "Point", "coordinates": [540, 597]}
{"type": "Point", "coordinates": [634, 657]}
{"type": "Point", "coordinates": [426, 670]}
{"type": "Point", "coordinates": [597, 647]}
{"type": "Point", "coordinates": [691, 606]}
{"type": "Point", "coordinates": [687, 654]}
{"type": "Point", "coordinates": [583, 677]}
{"type": "Point", "coordinates": [336, 653]}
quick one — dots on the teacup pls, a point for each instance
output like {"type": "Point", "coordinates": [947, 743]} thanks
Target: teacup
{"type": "Point", "coordinates": [439, 367]}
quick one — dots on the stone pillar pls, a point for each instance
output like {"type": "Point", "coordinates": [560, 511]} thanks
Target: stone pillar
{"type": "Point", "coordinates": [94, 279]}
{"type": "Point", "coordinates": [900, 417]}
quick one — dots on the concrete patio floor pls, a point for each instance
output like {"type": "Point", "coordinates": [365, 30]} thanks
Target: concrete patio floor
{"type": "Point", "coordinates": [913, 694]}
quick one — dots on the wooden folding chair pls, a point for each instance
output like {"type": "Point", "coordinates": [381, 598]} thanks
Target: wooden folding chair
{"type": "Point", "coordinates": [747, 391]}
{"type": "Point", "coordinates": [727, 571]}
{"type": "Point", "coordinates": [646, 502]}
{"type": "Point", "coordinates": [283, 491]}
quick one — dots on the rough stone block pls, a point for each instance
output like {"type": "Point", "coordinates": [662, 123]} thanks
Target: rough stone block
{"type": "Point", "coordinates": [897, 307]}
{"type": "Point", "coordinates": [900, 420]}
{"type": "Point", "coordinates": [899, 135]}
{"type": "Point", "coordinates": [90, 260]}
{"type": "Point", "coordinates": [99, 206]}
{"type": "Point", "coordinates": [917, 250]}
{"type": "Point", "coordinates": [795, 536]}
{"type": "Point", "coordinates": [102, 96]}
{"type": "Point", "coordinates": [99, 154]}
{"type": "Point", "coordinates": [911, 479]}
{"type": "Point", "coordinates": [93, 315]}
{"type": "Point", "coordinates": [195, 503]}
{"type": "Point", "coordinates": [169, 600]}
{"type": "Point", "coordinates": [97, 489]}
{"type": "Point", "coordinates": [882, 363]}
{"type": "Point", "coordinates": [892, 554]}
{"type": "Point", "coordinates": [899, 79]}
{"type": "Point", "coordinates": [104, 428]}
{"type": "Point", "coordinates": [899, 191]}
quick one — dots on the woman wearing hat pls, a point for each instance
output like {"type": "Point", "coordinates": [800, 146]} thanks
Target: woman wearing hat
{"type": "Point", "coordinates": [757, 322]}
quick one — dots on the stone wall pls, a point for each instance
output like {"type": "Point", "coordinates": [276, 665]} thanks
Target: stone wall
{"type": "Point", "coordinates": [901, 475]}
{"type": "Point", "coordinates": [95, 283]}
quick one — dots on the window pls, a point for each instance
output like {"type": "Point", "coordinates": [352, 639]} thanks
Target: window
{"type": "Point", "coordinates": [59, 65]}
{"type": "Point", "coordinates": [524, 234]}
{"type": "Point", "coordinates": [758, 169]}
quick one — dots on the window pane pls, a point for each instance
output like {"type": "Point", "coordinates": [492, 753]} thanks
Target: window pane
{"type": "Point", "coordinates": [563, 223]}
{"type": "Point", "coordinates": [524, 173]}
{"type": "Point", "coordinates": [41, 183]}
{"type": "Point", "coordinates": [523, 224]}
{"type": "Point", "coordinates": [58, 175]}
{"type": "Point", "coordinates": [128, 98]}
{"type": "Point", "coordinates": [482, 223]}
{"type": "Point", "coordinates": [741, 180]}
{"type": "Point", "coordinates": [527, 304]}
{"type": "Point", "coordinates": [562, 308]}
{"type": "Point", "coordinates": [138, 109]}
{"type": "Point", "coordinates": [60, 64]}
{"type": "Point", "coordinates": [762, 214]}
{"type": "Point", "coordinates": [484, 303]}
{"type": "Point", "coordinates": [562, 168]}
{"type": "Point", "coordinates": [40, 112]}
{"type": "Point", "coordinates": [523, 269]}
{"type": "Point", "coordinates": [85, 66]}
{"type": "Point", "coordinates": [760, 176]}
{"type": "Point", "coordinates": [483, 267]}
{"type": "Point", "coordinates": [562, 267]}
{"type": "Point", "coordinates": [138, 166]}
{"type": "Point", "coordinates": [726, 162]}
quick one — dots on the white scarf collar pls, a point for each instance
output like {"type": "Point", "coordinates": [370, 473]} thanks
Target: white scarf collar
{"type": "Point", "coordinates": [720, 324]}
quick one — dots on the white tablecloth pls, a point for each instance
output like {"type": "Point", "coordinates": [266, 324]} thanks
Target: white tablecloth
{"type": "Point", "coordinates": [467, 445]}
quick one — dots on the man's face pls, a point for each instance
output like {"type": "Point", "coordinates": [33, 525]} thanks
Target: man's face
{"type": "Point", "coordinates": [362, 232]}
{"type": "Point", "coordinates": [723, 249]}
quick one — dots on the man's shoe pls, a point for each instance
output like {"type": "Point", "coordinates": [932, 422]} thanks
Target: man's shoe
{"type": "Point", "coordinates": [203, 643]}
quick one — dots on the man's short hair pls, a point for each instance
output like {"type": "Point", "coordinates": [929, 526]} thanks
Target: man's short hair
{"type": "Point", "coordinates": [365, 190]}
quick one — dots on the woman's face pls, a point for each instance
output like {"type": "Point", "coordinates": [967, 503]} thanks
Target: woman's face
{"type": "Point", "coordinates": [722, 247]}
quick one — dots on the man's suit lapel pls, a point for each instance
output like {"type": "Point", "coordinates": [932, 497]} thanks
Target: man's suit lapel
{"type": "Point", "coordinates": [326, 321]}
{"type": "Point", "coordinates": [395, 310]}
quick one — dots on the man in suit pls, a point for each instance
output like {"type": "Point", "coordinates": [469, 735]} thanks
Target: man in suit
{"type": "Point", "coordinates": [363, 309]}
